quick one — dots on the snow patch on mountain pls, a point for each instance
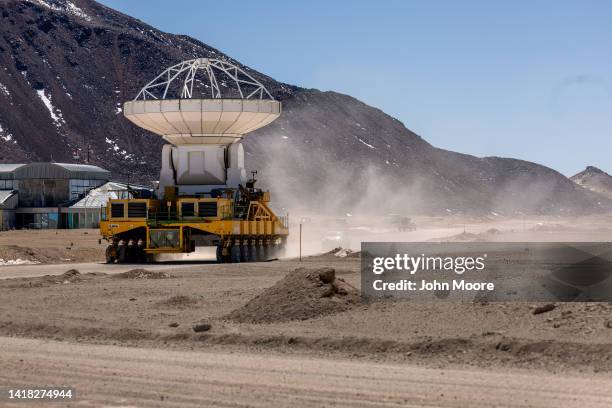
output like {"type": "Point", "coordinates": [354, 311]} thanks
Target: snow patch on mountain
{"type": "Point", "coordinates": [63, 6]}
{"type": "Point", "coordinates": [55, 113]}
{"type": "Point", "coordinates": [365, 143]}
{"type": "Point", "coordinates": [4, 90]}
{"type": "Point", "coordinates": [6, 136]}
{"type": "Point", "coordinates": [113, 144]}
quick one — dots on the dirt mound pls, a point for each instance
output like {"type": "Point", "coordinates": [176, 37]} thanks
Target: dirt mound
{"type": "Point", "coordinates": [50, 246]}
{"type": "Point", "coordinates": [71, 275]}
{"type": "Point", "coordinates": [301, 295]}
{"type": "Point", "coordinates": [16, 255]}
{"type": "Point", "coordinates": [142, 274]}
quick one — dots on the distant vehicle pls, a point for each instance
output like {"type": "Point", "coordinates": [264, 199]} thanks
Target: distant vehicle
{"type": "Point", "coordinates": [406, 224]}
{"type": "Point", "coordinates": [333, 240]}
{"type": "Point", "coordinates": [392, 218]}
{"type": "Point", "coordinates": [401, 222]}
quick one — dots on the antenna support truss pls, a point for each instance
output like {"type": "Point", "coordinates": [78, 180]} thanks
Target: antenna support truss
{"type": "Point", "coordinates": [215, 72]}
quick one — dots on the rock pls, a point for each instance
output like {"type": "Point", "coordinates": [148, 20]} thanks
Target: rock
{"type": "Point", "coordinates": [174, 324]}
{"type": "Point", "coordinates": [132, 299]}
{"type": "Point", "coordinates": [327, 275]}
{"type": "Point", "coordinates": [201, 327]}
{"type": "Point", "coordinates": [503, 346]}
{"type": "Point", "coordinates": [608, 324]}
{"type": "Point", "coordinates": [71, 273]}
{"type": "Point", "coordinates": [543, 309]}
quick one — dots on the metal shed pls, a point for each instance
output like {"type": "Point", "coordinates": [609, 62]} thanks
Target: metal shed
{"type": "Point", "coordinates": [58, 171]}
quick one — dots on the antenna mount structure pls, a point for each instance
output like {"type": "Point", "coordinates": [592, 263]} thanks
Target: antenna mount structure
{"type": "Point", "coordinates": [214, 78]}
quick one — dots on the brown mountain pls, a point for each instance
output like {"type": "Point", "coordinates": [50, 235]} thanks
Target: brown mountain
{"type": "Point", "coordinates": [595, 180]}
{"type": "Point", "coordinates": [67, 66]}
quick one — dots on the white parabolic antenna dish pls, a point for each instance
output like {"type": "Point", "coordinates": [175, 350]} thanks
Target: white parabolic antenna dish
{"type": "Point", "coordinates": [202, 101]}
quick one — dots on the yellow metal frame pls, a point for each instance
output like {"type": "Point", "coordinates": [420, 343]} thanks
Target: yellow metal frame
{"type": "Point", "coordinates": [261, 222]}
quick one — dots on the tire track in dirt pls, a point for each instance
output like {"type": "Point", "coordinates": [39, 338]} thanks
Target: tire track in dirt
{"type": "Point", "coordinates": [112, 376]}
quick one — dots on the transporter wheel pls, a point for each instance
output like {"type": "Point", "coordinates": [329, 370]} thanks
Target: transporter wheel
{"type": "Point", "coordinates": [142, 255]}
{"type": "Point", "coordinates": [260, 254]}
{"type": "Point", "coordinates": [272, 252]}
{"type": "Point", "coordinates": [252, 253]}
{"type": "Point", "coordinates": [281, 251]}
{"type": "Point", "coordinates": [110, 254]}
{"type": "Point", "coordinates": [122, 254]}
{"type": "Point", "coordinates": [244, 253]}
{"type": "Point", "coordinates": [130, 254]}
{"type": "Point", "coordinates": [235, 254]}
{"type": "Point", "coordinates": [219, 253]}
{"type": "Point", "coordinates": [267, 252]}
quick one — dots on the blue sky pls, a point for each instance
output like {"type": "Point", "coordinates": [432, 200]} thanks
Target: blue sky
{"type": "Point", "coordinates": [524, 79]}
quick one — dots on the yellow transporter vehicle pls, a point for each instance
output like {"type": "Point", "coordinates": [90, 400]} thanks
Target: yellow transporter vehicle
{"type": "Point", "coordinates": [203, 197]}
{"type": "Point", "coordinates": [242, 230]}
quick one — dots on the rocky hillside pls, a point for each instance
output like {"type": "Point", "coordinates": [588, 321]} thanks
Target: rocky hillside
{"type": "Point", "coordinates": [67, 66]}
{"type": "Point", "coordinates": [595, 180]}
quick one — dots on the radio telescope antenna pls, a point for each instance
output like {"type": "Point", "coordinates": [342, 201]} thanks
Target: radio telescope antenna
{"type": "Point", "coordinates": [202, 107]}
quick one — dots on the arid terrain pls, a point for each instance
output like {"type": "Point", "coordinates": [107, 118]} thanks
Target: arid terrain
{"type": "Point", "coordinates": [260, 322]}
{"type": "Point", "coordinates": [50, 246]}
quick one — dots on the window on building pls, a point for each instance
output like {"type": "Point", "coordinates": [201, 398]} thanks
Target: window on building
{"type": "Point", "coordinates": [80, 188]}
{"type": "Point", "coordinates": [6, 185]}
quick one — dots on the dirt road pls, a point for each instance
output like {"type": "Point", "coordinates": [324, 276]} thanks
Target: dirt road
{"type": "Point", "coordinates": [124, 376]}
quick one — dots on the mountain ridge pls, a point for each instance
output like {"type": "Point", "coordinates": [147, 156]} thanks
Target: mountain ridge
{"type": "Point", "coordinates": [595, 180]}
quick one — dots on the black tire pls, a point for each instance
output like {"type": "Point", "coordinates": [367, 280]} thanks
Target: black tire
{"type": "Point", "coordinates": [244, 253]}
{"type": "Point", "coordinates": [252, 253]}
{"type": "Point", "coordinates": [219, 253]}
{"type": "Point", "coordinates": [122, 254]}
{"type": "Point", "coordinates": [110, 258]}
{"type": "Point", "coordinates": [142, 255]}
{"type": "Point", "coordinates": [235, 254]}
{"type": "Point", "coordinates": [130, 254]}
{"type": "Point", "coordinates": [267, 252]}
{"type": "Point", "coordinates": [260, 253]}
